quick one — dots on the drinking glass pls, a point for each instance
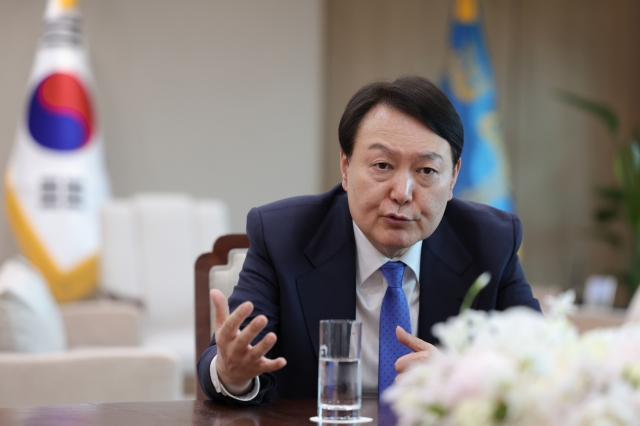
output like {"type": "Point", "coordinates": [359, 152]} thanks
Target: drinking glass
{"type": "Point", "coordinates": [339, 374]}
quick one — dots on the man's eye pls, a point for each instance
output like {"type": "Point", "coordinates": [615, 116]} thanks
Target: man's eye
{"type": "Point", "coordinates": [382, 166]}
{"type": "Point", "coordinates": [428, 170]}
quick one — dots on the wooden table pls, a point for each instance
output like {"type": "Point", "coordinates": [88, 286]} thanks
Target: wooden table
{"type": "Point", "coordinates": [280, 413]}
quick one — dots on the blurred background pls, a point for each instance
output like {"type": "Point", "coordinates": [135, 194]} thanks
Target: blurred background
{"type": "Point", "coordinates": [240, 100]}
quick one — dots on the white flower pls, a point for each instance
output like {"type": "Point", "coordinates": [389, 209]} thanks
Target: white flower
{"type": "Point", "coordinates": [516, 368]}
{"type": "Point", "coordinates": [561, 305]}
{"type": "Point", "coordinates": [480, 373]}
{"type": "Point", "coordinates": [458, 333]}
{"type": "Point", "coordinates": [475, 412]}
{"type": "Point", "coordinates": [603, 410]}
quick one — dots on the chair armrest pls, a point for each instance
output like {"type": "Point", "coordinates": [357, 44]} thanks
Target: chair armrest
{"type": "Point", "coordinates": [91, 375]}
{"type": "Point", "coordinates": [101, 323]}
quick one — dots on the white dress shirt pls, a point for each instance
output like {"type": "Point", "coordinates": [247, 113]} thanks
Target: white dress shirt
{"type": "Point", "coordinates": [370, 289]}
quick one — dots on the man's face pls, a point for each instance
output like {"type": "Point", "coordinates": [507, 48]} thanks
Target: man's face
{"type": "Point", "coordinates": [398, 179]}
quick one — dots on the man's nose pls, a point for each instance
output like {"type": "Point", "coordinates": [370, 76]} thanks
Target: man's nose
{"type": "Point", "coordinates": [402, 189]}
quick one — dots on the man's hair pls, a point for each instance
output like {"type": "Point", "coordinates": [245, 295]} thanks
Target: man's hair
{"type": "Point", "coordinates": [412, 95]}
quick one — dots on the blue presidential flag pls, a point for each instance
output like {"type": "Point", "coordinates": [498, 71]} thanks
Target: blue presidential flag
{"type": "Point", "coordinates": [469, 84]}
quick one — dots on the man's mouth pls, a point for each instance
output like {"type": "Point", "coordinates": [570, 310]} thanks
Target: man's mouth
{"type": "Point", "coordinates": [397, 220]}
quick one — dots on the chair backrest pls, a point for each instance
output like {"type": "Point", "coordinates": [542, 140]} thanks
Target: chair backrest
{"type": "Point", "coordinates": [216, 269]}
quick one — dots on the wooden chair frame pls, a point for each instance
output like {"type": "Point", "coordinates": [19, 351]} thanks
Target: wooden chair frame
{"type": "Point", "coordinates": [218, 256]}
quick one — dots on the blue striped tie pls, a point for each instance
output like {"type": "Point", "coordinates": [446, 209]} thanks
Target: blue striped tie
{"type": "Point", "coordinates": [394, 312]}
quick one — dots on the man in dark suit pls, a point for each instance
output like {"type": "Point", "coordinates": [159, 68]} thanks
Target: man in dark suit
{"type": "Point", "coordinates": [328, 256]}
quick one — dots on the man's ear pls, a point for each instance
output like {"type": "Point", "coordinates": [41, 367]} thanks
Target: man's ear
{"type": "Point", "coordinates": [454, 178]}
{"type": "Point", "coordinates": [344, 168]}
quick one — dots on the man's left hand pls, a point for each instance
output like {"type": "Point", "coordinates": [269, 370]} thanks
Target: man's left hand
{"type": "Point", "coordinates": [421, 350]}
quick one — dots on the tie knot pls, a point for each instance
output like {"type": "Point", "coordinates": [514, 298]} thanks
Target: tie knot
{"type": "Point", "coordinates": [393, 272]}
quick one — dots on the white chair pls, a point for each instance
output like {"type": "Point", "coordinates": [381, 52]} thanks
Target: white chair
{"type": "Point", "coordinates": [149, 244]}
{"type": "Point", "coordinates": [81, 352]}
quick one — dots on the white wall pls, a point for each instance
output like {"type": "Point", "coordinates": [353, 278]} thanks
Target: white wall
{"type": "Point", "coordinates": [218, 98]}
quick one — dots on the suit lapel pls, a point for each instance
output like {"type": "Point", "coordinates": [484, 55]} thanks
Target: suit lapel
{"type": "Point", "coordinates": [442, 288]}
{"type": "Point", "coordinates": [329, 291]}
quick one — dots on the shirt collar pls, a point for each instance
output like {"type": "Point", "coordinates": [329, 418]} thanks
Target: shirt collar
{"type": "Point", "coordinates": [369, 259]}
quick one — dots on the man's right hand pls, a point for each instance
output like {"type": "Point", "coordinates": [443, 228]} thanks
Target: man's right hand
{"type": "Point", "coordinates": [238, 362]}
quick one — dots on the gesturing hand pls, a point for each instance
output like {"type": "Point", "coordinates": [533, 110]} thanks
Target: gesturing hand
{"type": "Point", "coordinates": [238, 361]}
{"type": "Point", "coordinates": [421, 349]}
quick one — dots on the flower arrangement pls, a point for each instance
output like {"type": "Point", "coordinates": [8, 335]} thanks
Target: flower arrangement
{"type": "Point", "coordinates": [518, 368]}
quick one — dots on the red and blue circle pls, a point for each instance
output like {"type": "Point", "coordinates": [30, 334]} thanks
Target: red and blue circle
{"type": "Point", "coordinates": [60, 113]}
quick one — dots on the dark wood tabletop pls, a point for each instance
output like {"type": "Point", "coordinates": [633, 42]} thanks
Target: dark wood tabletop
{"type": "Point", "coordinates": [171, 413]}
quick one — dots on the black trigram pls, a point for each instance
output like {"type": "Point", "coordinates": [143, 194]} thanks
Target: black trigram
{"type": "Point", "coordinates": [62, 193]}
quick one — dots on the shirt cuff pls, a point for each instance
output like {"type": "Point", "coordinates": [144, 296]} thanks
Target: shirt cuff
{"type": "Point", "coordinates": [221, 389]}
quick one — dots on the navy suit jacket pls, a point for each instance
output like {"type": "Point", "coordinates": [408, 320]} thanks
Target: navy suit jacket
{"type": "Point", "coordinates": [301, 268]}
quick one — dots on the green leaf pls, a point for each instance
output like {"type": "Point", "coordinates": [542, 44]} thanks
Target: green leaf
{"type": "Point", "coordinates": [634, 273]}
{"type": "Point", "coordinates": [437, 409]}
{"type": "Point", "coordinates": [605, 214]}
{"type": "Point", "coordinates": [601, 111]}
{"type": "Point", "coordinates": [627, 163]}
{"type": "Point", "coordinates": [611, 193]}
{"type": "Point", "coordinates": [501, 412]}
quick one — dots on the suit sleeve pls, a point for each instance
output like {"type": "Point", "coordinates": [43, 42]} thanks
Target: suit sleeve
{"type": "Point", "coordinates": [258, 283]}
{"type": "Point", "coordinates": [514, 289]}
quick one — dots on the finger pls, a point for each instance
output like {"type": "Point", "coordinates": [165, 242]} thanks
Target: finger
{"type": "Point", "coordinates": [264, 346]}
{"type": "Point", "coordinates": [222, 308]}
{"type": "Point", "coordinates": [267, 365]}
{"type": "Point", "coordinates": [412, 342]}
{"type": "Point", "coordinates": [405, 361]}
{"type": "Point", "coordinates": [250, 332]}
{"type": "Point", "coordinates": [230, 328]}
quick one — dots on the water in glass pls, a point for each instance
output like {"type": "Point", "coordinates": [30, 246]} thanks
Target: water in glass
{"type": "Point", "coordinates": [339, 388]}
